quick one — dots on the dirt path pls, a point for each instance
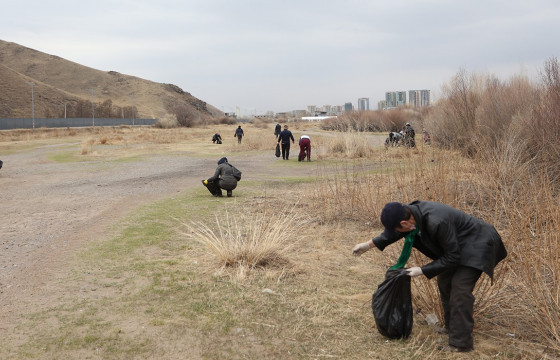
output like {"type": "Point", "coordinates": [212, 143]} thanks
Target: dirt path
{"type": "Point", "coordinates": [50, 210]}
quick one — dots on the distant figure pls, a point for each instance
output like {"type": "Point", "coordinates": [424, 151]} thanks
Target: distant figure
{"type": "Point", "coordinates": [426, 137]}
{"type": "Point", "coordinates": [223, 179]}
{"type": "Point", "coordinates": [277, 130]}
{"type": "Point", "coordinates": [284, 139]}
{"type": "Point", "coordinates": [1, 163]}
{"type": "Point", "coordinates": [409, 135]}
{"type": "Point", "coordinates": [217, 138]}
{"type": "Point", "coordinates": [304, 148]}
{"type": "Point", "coordinates": [393, 139]}
{"type": "Point", "coordinates": [238, 134]}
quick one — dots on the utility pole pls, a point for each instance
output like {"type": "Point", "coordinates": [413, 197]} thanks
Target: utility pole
{"type": "Point", "coordinates": [132, 109]}
{"type": "Point", "coordinates": [92, 109]}
{"type": "Point", "coordinates": [32, 105]}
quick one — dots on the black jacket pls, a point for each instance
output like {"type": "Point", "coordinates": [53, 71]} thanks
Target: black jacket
{"type": "Point", "coordinates": [224, 177]}
{"type": "Point", "coordinates": [450, 237]}
{"type": "Point", "coordinates": [285, 137]}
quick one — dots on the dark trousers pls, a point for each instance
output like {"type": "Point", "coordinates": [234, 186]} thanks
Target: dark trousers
{"type": "Point", "coordinates": [214, 188]}
{"type": "Point", "coordinates": [285, 151]}
{"type": "Point", "coordinates": [456, 290]}
{"type": "Point", "coordinates": [239, 138]}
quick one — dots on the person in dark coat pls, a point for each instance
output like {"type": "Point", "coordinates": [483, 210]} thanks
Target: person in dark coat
{"type": "Point", "coordinates": [409, 135]}
{"type": "Point", "coordinates": [239, 134]}
{"type": "Point", "coordinates": [461, 246]}
{"type": "Point", "coordinates": [284, 139]}
{"type": "Point", "coordinates": [277, 130]}
{"type": "Point", "coordinates": [222, 179]}
{"type": "Point", "coordinates": [217, 138]}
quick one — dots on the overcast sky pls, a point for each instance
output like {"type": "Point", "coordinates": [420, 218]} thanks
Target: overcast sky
{"type": "Point", "coordinates": [283, 55]}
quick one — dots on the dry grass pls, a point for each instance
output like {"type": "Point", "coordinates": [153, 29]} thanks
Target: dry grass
{"type": "Point", "coordinates": [323, 306]}
{"type": "Point", "coordinates": [249, 240]}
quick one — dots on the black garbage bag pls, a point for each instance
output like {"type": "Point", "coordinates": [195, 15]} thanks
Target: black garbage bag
{"type": "Point", "coordinates": [392, 305]}
{"type": "Point", "coordinates": [277, 150]}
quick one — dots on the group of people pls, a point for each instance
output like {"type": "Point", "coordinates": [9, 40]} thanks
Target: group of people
{"type": "Point", "coordinates": [224, 179]}
{"type": "Point", "coordinates": [461, 247]}
{"type": "Point", "coordinates": [406, 137]}
{"type": "Point", "coordinates": [285, 136]}
{"type": "Point", "coordinates": [217, 138]}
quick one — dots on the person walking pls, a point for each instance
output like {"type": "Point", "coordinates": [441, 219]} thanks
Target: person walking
{"type": "Point", "coordinates": [304, 148]}
{"type": "Point", "coordinates": [277, 130]}
{"type": "Point", "coordinates": [461, 246]}
{"type": "Point", "coordinates": [222, 179]}
{"type": "Point", "coordinates": [284, 139]}
{"type": "Point", "coordinates": [238, 134]}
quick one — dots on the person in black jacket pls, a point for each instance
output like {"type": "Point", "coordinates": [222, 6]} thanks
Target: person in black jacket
{"type": "Point", "coordinates": [239, 134]}
{"type": "Point", "coordinates": [461, 246]}
{"type": "Point", "coordinates": [222, 179]}
{"type": "Point", "coordinates": [284, 139]}
{"type": "Point", "coordinates": [277, 130]}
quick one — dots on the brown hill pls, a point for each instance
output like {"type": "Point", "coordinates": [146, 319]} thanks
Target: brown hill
{"type": "Point", "coordinates": [60, 84]}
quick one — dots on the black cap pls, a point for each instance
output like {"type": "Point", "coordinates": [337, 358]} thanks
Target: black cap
{"type": "Point", "coordinates": [222, 160]}
{"type": "Point", "coordinates": [392, 215]}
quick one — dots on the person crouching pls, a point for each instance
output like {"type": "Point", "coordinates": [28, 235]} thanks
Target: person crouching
{"type": "Point", "coordinates": [222, 179]}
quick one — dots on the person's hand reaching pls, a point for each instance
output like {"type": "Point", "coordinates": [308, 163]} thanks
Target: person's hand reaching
{"type": "Point", "coordinates": [361, 248]}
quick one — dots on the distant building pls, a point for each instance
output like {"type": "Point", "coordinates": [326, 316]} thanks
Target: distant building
{"type": "Point", "coordinates": [337, 109]}
{"type": "Point", "coordinates": [363, 104]}
{"type": "Point", "coordinates": [382, 105]}
{"type": "Point", "coordinates": [348, 107]}
{"type": "Point", "coordinates": [395, 99]}
{"type": "Point", "coordinates": [311, 109]}
{"type": "Point", "coordinates": [419, 98]}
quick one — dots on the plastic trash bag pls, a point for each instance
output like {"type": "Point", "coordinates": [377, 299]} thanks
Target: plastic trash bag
{"type": "Point", "coordinates": [277, 153]}
{"type": "Point", "coordinates": [392, 305]}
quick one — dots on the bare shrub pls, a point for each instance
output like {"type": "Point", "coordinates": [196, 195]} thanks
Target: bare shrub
{"type": "Point", "coordinates": [167, 122]}
{"type": "Point", "coordinates": [186, 115]}
{"type": "Point", "coordinates": [543, 128]}
{"type": "Point", "coordinates": [372, 121]}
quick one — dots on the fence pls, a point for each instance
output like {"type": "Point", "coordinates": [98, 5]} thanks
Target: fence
{"type": "Point", "coordinates": [28, 123]}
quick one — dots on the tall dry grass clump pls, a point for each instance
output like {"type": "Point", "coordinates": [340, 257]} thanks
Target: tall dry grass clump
{"type": "Point", "coordinates": [246, 241]}
{"type": "Point", "coordinates": [349, 145]}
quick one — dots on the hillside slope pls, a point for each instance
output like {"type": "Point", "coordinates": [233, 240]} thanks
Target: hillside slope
{"type": "Point", "coordinates": [58, 82]}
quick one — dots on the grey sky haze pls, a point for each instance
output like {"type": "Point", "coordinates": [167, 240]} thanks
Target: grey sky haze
{"type": "Point", "coordinates": [285, 55]}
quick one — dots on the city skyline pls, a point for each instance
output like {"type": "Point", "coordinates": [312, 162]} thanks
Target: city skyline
{"type": "Point", "coordinates": [282, 55]}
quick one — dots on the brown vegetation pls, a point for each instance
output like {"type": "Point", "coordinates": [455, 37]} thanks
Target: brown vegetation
{"type": "Point", "coordinates": [508, 129]}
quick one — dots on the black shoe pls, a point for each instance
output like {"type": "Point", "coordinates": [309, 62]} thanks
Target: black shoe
{"type": "Point", "coordinates": [229, 194]}
{"type": "Point", "coordinates": [451, 348]}
{"type": "Point", "coordinates": [218, 195]}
